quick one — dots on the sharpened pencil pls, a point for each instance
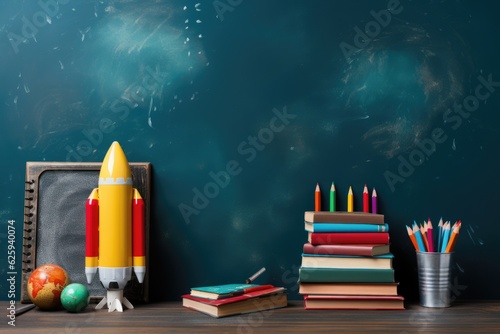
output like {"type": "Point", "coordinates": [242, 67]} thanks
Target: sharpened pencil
{"type": "Point", "coordinates": [440, 234]}
{"type": "Point", "coordinates": [374, 201]}
{"type": "Point", "coordinates": [366, 205]}
{"type": "Point", "coordinates": [317, 198]}
{"type": "Point", "coordinates": [418, 237]}
{"type": "Point", "coordinates": [430, 237]}
{"type": "Point", "coordinates": [350, 201]}
{"type": "Point", "coordinates": [423, 232]}
{"type": "Point", "coordinates": [412, 237]}
{"type": "Point", "coordinates": [332, 198]}
{"type": "Point", "coordinates": [446, 236]}
{"type": "Point", "coordinates": [453, 238]}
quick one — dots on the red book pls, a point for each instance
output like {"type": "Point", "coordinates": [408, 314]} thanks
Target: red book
{"type": "Point", "coordinates": [348, 249]}
{"type": "Point", "coordinates": [348, 238]}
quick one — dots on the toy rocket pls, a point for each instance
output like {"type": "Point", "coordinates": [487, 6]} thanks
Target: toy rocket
{"type": "Point", "coordinates": [115, 230]}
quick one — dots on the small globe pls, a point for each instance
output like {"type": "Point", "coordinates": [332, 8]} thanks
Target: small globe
{"type": "Point", "coordinates": [75, 297]}
{"type": "Point", "coordinates": [45, 285]}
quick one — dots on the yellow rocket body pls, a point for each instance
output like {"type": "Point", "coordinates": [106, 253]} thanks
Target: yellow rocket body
{"type": "Point", "coordinates": [115, 214]}
{"type": "Point", "coordinates": [115, 225]}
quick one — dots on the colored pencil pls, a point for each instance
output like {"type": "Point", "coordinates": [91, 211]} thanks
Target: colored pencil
{"type": "Point", "coordinates": [422, 236]}
{"type": "Point", "coordinates": [446, 236]}
{"type": "Point", "coordinates": [412, 237]}
{"type": "Point", "coordinates": [374, 201]}
{"type": "Point", "coordinates": [350, 201]}
{"type": "Point", "coordinates": [453, 238]}
{"type": "Point", "coordinates": [418, 237]}
{"type": "Point", "coordinates": [430, 237]}
{"type": "Point", "coordinates": [366, 205]}
{"type": "Point", "coordinates": [423, 232]}
{"type": "Point", "coordinates": [332, 198]}
{"type": "Point", "coordinates": [317, 198]}
{"type": "Point", "coordinates": [440, 234]}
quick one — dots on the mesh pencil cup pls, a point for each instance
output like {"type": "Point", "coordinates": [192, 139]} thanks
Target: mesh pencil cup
{"type": "Point", "coordinates": [434, 278]}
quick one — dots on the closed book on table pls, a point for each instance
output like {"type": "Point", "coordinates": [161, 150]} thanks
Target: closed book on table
{"type": "Point", "coordinates": [388, 289]}
{"type": "Point", "coordinates": [348, 238]}
{"type": "Point", "coordinates": [324, 275]}
{"type": "Point", "coordinates": [338, 227]}
{"type": "Point", "coordinates": [249, 302]}
{"type": "Point", "coordinates": [346, 261]}
{"type": "Point", "coordinates": [343, 217]}
{"type": "Point", "coordinates": [347, 249]}
{"type": "Point", "coordinates": [331, 302]}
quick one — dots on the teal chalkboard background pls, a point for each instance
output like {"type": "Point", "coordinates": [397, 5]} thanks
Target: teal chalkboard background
{"type": "Point", "coordinates": [242, 106]}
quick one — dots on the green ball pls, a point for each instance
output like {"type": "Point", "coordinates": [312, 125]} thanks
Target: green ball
{"type": "Point", "coordinates": [75, 297]}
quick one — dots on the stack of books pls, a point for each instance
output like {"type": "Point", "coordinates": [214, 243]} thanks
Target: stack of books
{"type": "Point", "coordinates": [230, 299]}
{"type": "Point", "coordinates": [347, 263]}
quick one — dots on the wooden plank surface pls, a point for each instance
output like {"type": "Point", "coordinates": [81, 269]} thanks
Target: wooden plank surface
{"type": "Point", "coordinates": [171, 317]}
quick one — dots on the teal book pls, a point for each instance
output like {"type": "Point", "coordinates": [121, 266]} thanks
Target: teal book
{"type": "Point", "coordinates": [340, 227]}
{"type": "Point", "coordinates": [345, 275]}
{"type": "Point", "coordinates": [223, 291]}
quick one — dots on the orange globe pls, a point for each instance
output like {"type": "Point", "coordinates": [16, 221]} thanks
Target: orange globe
{"type": "Point", "coordinates": [45, 285]}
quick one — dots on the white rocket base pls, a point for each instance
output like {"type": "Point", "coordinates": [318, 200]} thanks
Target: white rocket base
{"type": "Point", "coordinates": [114, 300]}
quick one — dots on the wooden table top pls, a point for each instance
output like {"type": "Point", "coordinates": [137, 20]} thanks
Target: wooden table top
{"type": "Point", "coordinates": [170, 317]}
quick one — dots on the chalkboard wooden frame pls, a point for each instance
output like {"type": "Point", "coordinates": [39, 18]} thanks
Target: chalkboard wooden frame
{"type": "Point", "coordinates": [49, 188]}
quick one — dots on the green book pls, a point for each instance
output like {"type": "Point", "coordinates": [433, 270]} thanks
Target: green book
{"type": "Point", "coordinates": [334, 275]}
{"type": "Point", "coordinates": [221, 291]}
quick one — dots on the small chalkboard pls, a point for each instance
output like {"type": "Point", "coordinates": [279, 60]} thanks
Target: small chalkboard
{"type": "Point", "coordinates": [54, 228]}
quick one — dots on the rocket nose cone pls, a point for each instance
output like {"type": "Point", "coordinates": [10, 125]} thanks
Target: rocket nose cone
{"type": "Point", "coordinates": [115, 146]}
{"type": "Point", "coordinates": [115, 163]}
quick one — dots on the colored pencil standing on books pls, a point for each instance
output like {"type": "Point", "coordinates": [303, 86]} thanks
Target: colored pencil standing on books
{"type": "Point", "coordinates": [317, 198]}
{"type": "Point", "coordinates": [374, 201]}
{"type": "Point", "coordinates": [350, 201]}
{"type": "Point", "coordinates": [332, 198]}
{"type": "Point", "coordinates": [366, 205]}
{"type": "Point", "coordinates": [422, 237]}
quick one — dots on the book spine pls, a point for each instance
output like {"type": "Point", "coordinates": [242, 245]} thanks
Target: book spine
{"type": "Point", "coordinates": [337, 250]}
{"type": "Point", "coordinates": [343, 217]}
{"type": "Point", "coordinates": [343, 261]}
{"type": "Point", "coordinates": [29, 235]}
{"type": "Point", "coordinates": [332, 275]}
{"type": "Point", "coordinates": [334, 227]}
{"type": "Point", "coordinates": [349, 238]}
